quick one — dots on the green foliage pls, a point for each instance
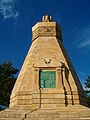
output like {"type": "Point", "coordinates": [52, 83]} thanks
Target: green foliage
{"type": "Point", "coordinates": [87, 83]}
{"type": "Point", "coordinates": [87, 86]}
{"type": "Point", "coordinates": [7, 81]}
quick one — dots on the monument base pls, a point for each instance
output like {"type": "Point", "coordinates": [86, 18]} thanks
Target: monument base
{"type": "Point", "coordinates": [77, 112]}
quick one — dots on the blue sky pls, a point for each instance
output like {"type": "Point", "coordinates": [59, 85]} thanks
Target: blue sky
{"type": "Point", "coordinates": [18, 16]}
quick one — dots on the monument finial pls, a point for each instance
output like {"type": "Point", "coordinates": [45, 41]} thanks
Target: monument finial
{"type": "Point", "coordinates": [46, 18]}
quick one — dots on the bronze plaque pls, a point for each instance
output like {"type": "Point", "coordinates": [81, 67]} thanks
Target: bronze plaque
{"type": "Point", "coordinates": [47, 79]}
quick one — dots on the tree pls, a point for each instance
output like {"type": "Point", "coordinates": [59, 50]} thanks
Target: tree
{"type": "Point", "coordinates": [87, 86]}
{"type": "Point", "coordinates": [7, 81]}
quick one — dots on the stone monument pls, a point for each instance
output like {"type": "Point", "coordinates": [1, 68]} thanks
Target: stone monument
{"type": "Point", "coordinates": [47, 86]}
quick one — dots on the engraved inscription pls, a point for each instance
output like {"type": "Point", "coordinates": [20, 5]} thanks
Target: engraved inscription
{"type": "Point", "coordinates": [47, 79]}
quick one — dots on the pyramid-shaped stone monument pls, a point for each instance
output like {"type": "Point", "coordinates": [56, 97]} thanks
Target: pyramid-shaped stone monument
{"type": "Point", "coordinates": [47, 86]}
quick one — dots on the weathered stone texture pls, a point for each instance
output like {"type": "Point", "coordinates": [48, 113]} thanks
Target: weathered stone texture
{"type": "Point", "coordinates": [41, 48]}
{"type": "Point", "coordinates": [46, 53]}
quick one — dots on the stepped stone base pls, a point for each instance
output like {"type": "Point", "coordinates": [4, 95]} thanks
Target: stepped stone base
{"type": "Point", "coordinates": [25, 113]}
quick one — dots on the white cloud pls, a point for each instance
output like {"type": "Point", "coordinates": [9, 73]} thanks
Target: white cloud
{"type": "Point", "coordinates": [82, 36]}
{"type": "Point", "coordinates": [7, 9]}
{"type": "Point", "coordinates": [84, 43]}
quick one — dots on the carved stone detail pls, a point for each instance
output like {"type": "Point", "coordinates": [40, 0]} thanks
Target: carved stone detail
{"type": "Point", "coordinates": [46, 31]}
{"type": "Point", "coordinates": [47, 61]}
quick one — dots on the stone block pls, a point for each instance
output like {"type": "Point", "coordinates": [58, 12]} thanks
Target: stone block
{"type": "Point", "coordinates": [24, 101]}
{"type": "Point", "coordinates": [52, 101]}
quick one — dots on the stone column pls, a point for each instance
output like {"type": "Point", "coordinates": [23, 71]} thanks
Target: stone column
{"type": "Point", "coordinates": [67, 88]}
{"type": "Point", "coordinates": [66, 82]}
{"type": "Point", "coordinates": [36, 91]}
{"type": "Point", "coordinates": [36, 79]}
{"type": "Point", "coordinates": [60, 95]}
{"type": "Point", "coordinates": [58, 78]}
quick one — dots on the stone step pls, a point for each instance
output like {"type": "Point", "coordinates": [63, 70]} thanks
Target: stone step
{"type": "Point", "coordinates": [55, 119]}
{"type": "Point", "coordinates": [54, 114]}
{"type": "Point", "coordinates": [45, 118]}
{"type": "Point", "coordinates": [12, 114]}
{"type": "Point", "coordinates": [59, 114]}
{"type": "Point", "coordinates": [11, 119]}
{"type": "Point", "coordinates": [69, 113]}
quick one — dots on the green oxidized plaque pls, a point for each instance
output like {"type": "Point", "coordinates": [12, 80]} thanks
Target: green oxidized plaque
{"type": "Point", "coordinates": [47, 79]}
